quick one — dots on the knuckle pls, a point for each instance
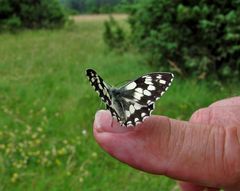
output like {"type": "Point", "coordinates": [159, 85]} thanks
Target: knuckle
{"type": "Point", "coordinates": [201, 115]}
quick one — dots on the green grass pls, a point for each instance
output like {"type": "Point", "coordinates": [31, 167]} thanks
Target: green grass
{"type": "Point", "coordinates": [47, 109]}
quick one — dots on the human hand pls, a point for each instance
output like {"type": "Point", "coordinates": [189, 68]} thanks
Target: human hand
{"type": "Point", "coordinates": [204, 152]}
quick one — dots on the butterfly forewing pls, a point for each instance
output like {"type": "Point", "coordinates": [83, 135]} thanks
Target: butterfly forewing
{"type": "Point", "coordinates": [99, 85]}
{"type": "Point", "coordinates": [133, 102]}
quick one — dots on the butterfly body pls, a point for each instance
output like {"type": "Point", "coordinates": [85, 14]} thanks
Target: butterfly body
{"type": "Point", "coordinates": [132, 103]}
{"type": "Point", "coordinates": [117, 102]}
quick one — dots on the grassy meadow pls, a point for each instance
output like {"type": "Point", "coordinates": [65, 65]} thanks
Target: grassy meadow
{"type": "Point", "coordinates": [47, 109]}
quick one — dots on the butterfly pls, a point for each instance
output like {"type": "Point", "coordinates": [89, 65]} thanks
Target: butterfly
{"type": "Point", "coordinates": [133, 102]}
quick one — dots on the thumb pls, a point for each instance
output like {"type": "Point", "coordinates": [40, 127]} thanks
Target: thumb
{"type": "Point", "coordinates": [160, 145]}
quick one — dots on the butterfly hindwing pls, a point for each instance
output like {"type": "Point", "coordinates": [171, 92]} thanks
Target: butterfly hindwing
{"type": "Point", "coordinates": [141, 95]}
{"type": "Point", "coordinates": [139, 115]}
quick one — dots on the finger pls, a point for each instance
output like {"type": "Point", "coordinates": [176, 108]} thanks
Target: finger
{"type": "Point", "coordinates": [219, 116]}
{"type": "Point", "coordinates": [166, 146]}
{"type": "Point", "coordinates": [186, 186]}
{"type": "Point", "coordinates": [234, 101]}
{"type": "Point", "coordinates": [105, 122]}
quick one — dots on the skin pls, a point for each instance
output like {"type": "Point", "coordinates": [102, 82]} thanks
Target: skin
{"type": "Point", "coordinates": [202, 153]}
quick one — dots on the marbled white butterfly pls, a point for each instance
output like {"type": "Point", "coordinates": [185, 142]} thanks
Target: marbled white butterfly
{"type": "Point", "coordinates": [132, 103]}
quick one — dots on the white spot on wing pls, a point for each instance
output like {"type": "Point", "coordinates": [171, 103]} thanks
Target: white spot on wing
{"type": "Point", "coordinates": [138, 95]}
{"type": "Point", "coordinates": [98, 81]}
{"type": "Point", "coordinates": [162, 81]}
{"type": "Point", "coordinates": [127, 113]}
{"type": "Point", "coordinates": [145, 117]}
{"type": "Point", "coordinates": [105, 92]}
{"type": "Point", "coordinates": [149, 102]}
{"type": "Point", "coordinates": [151, 112]}
{"type": "Point", "coordinates": [137, 106]}
{"type": "Point", "coordinates": [143, 114]}
{"type": "Point", "coordinates": [151, 87]}
{"type": "Point", "coordinates": [131, 86]}
{"type": "Point", "coordinates": [153, 107]}
{"type": "Point", "coordinates": [147, 93]}
{"type": "Point", "coordinates": [139, 90]}
{"type": "Point", "coordinates": [136, 119]}
{"type": "Point", "coordinates": [148, 81]}
{"type": "Point", "coordinates": [148, 77]}
{"type": "Point", "coordinates": [129, 122]}
{"type": "Point", "coordinates": [131, 109]}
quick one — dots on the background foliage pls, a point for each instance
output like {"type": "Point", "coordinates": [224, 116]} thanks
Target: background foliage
{"type": "Point", "coordinates": [47, 108]}
{"type": "Point", "coordinates": [114, 35]}
{"type": "Point", "coordinates": [97, 6]}
{"type": "Point", "coordinates": [198, 38]}
{"type": "Point", "coordinates": [16, 14]}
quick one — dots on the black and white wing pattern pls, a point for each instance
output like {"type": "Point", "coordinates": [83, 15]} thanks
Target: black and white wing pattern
{"type": "Point", "coordinates": [100, 86]}
{"type": "Point", "coordinates": [132, 103]}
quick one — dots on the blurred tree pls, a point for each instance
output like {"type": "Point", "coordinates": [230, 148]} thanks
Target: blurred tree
{"type": "Point", "coordinates": [200, 38]}
{"type": "Point", "coordinates": [95, 6]}
{"type": "Point", "coordinates": [113, 35]}
{"type": "Point", "coordinates": [31, 14]}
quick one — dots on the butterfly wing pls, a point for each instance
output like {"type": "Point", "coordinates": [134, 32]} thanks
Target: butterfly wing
{"type": "Point", "coordinates": [103, 91]}
{"type": "Point", "coordinates": [139, 96]}
{"type": "Point", "coordinates": [133, 102]}
{"type": "Point", "coordinates": [99, 85]}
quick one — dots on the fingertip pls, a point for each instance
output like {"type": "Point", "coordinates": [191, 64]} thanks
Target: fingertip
{"type": "Point", "coordinates": [103, 120]}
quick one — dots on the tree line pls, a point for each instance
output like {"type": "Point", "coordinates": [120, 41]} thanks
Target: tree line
{"type": "Point", "coordinates": [96, 6]}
